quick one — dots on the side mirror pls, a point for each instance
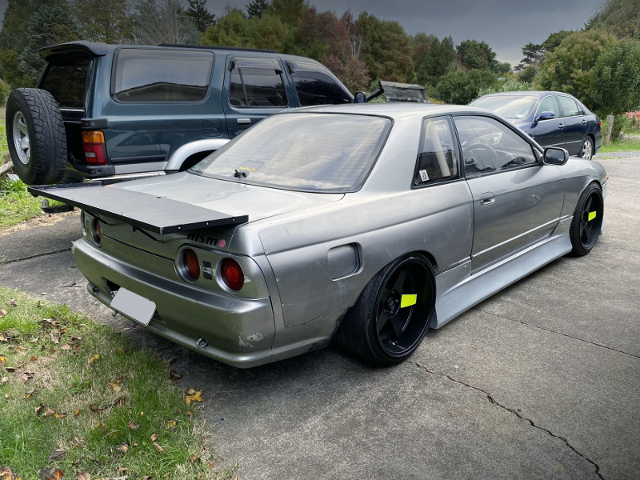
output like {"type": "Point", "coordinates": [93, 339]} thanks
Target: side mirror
{"type": "Point", "coordinates": [546, 116]}
{"type": "Point", "coordinates": [360, 97]}
{"type": "Point", "coordinates": [555, 156]}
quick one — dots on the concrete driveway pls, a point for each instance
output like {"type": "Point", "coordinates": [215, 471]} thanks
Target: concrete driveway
{"type": "Point", "coordinates": [541, 381]}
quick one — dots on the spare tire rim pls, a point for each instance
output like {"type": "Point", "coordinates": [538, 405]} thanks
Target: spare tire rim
{"type": "Point", "coordinates": [21, 138]}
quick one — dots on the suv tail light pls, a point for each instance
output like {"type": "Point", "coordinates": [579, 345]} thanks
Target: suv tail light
{"type": "Point", "coordinates": [232, 274]}
{"type": "Point", "coordinates": [189, 265]}
{"type": "Point", "coordinates": [95, 150]}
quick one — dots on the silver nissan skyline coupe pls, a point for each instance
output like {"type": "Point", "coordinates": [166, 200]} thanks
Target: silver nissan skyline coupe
{"type": "Point", "coordinates": [366, 224]}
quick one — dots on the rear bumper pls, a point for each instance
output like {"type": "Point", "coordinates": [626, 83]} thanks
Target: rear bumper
{"type": "Point", "coordinates": [237, 331]}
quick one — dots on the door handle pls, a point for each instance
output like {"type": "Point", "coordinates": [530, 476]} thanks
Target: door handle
{"type": "Point", "coordinates": [244, 121]}
{"type": "Point", "coordinates": [487, 198]}
{"type": "Point", "coordinates": [560, 125]}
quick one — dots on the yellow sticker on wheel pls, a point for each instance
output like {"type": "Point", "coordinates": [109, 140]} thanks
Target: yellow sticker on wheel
{"type": "Point", "coordinates": [408, 300]}
{"type": "Point", "coordinates": [592, 215]}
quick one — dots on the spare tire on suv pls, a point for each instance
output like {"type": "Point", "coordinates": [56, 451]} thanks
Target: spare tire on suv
{"type": "Point", "coordinates": [36, 136]}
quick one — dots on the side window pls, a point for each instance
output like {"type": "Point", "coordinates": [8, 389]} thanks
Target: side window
{"type": "Point", "coordinates": [437, 158]}
{"type": "Point", "coordinates": [256, 83]}
{"type": "Point", "coordinates": [317, 89]}
{"type": "Point", "coordinates": [66, 81]}
{"type": "Point", "coordinates": [489, 146]}
{"type": "Point", "coordinates": [569, 107]}
{"type": "Point", "coordinates": [549, 104]}
{"type": "Point", "coordinates": [152, 75]}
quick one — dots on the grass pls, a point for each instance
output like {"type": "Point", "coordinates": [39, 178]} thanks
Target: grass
{"type": "Point", "coordinates": [625, 145]}
{"type": "Point", "coordinates": [78, 388]}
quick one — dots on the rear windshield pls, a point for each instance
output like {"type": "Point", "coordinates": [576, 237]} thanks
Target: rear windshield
{"type": "Point", "coordinates": [508, 106]}
{"type": "Point", "coordinates": [302, 151]}
{"type": "Point", "coordinates": [146, 75]}
{"type": "Point", "coordinates": [66, 80]}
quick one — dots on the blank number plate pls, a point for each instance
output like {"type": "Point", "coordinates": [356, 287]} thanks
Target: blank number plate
{"type": "Point", "coordinates": [133, 306]}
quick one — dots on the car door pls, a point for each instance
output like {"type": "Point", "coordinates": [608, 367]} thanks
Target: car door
{"type": "Point", "coordinates": [516, 199]}
{"type": "Point", "coordinates": [254, 89]}
{"type": "Point", "coordinates": [549, 132]}
{"type": "Point", "coordinates": [314, 86]}
{"type": "Point", "coordinates": [574, 127]}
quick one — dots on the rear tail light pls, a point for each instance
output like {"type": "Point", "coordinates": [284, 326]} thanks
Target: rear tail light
{"type": "Point", "coordinates": [189, 265]}
{"type": "Point", "coordinates": [95, 150]}
{"type": "Point", "coordinates": [232, 274]}
{"type": "Point", "coordinates": [96, 231]}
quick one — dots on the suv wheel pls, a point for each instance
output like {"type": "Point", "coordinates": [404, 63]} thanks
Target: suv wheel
{"type": "Point", "coordinates": [36, 136]}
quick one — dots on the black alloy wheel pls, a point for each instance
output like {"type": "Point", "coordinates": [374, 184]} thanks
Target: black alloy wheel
{"type": "Point", "coordinates": [586, 225]}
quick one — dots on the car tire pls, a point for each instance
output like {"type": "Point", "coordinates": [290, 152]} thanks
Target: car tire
{"type": "Point", "coordinates": [36, 136]}
{"type": "Point", "coordinates": [586, 150]}
{"type": "Point", "coordinates": [587, 221]}
{"type": "Point", "coordinates": [364, 332]}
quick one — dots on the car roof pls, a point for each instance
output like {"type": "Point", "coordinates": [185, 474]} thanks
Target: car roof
{"type": "Point", "coordinates": [392, 109]}
{"type": "Point", "coordinates": [537, 93]}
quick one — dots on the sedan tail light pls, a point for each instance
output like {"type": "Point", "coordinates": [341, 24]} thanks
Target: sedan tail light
{"type": "Point", "coordinates": [96, 231]}
{"type": "Point", "coordinates": [95, 150]}
{"type": "Point", "coordinates": [189, 265]}
{"type": "Point", "coordinates": [232, 274]}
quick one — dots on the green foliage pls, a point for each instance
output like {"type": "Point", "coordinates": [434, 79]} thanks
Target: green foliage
{"type": "Point", "coordinates": [476, 55]}
{"type": "Point", "coordinates": [433, 58]}
{"type": "Point", "coordinates": [528, 74]}
{"type": "Point", "coordinates": [615, 79]}
{"type": "Point", "coordinates": [5, 90]}
{"type": "Point", "coordinates": [289, 11]}
{"type": "Point", "coordinates": [257, 8]}
{"type": "Point", "coordinates": [199, 14]}
{"type": "Point", "coordinates": [511, 85]}
{"type": "Point", "coordinates": [463, 86]}
{"type": "Point", "coordinates": [106, 21]}
{"type": "Point", "coordinates": [554, 40]}
{"type": "Point", "coordinates": [235, 30]}
{"type": "Point", "coordinates": [567, 68]}
{"type": "Point", "coordinates": [620, 17]}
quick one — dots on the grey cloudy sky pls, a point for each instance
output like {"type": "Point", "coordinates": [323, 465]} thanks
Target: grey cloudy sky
{"type": "Point", "coordinates": [506, 25]}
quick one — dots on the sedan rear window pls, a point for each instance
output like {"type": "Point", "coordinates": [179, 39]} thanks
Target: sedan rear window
{"type": "Point", "coordinates": [302, 151]}
{"type": "Point", "coordinates": [508, 106]}
{"type": "Point", "coordinates": [147, 75]}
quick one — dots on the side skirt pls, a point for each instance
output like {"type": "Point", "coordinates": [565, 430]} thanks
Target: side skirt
{"type": "Point", "coordinates": [458, 290]}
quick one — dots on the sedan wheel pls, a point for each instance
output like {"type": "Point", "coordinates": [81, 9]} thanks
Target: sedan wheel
{"type": "Point", "coordinates": [389, 320]}
{"type": "Point", "coordinates": [586, 151]}
{"type": "Point", "coordinates": [587, 220]}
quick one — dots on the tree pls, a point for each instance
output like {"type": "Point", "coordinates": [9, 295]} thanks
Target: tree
{"type": "Point", "coordinates": [478, 55]}
{"type": "Point", "coordinates": [615, 79]}
{"type": "Point", "coordinates": [462, 86]}
{"type": "Point", "coordinates": [387, 50]}
{"type": "Point", "coordinates": [106, 21]}
{"type": "Point", "coordinates": [199, 15]}
{"type": "Point", "coordinates": [533, 55]}
{"type": "Point", "coordinates": [567, 68]}
{"type": "Point", "coordinates": [267, 32]}
{"type": "Point", "coordinates": [289, 11]}
{"type": "Point", "coordinates": [620, 17]}
{"type": "Point", "coordinates": [163, 21]}
{"type": "Point", "coordinates": [231, 30]}
{"type": "Point", "coordinates": [257, 8]}
{"type": "Point", "coordinates": [554, 40]}
{"type": "Point", "coordinates": [433, 58]}
{"type": "Point", "coordinates": [50, 25]}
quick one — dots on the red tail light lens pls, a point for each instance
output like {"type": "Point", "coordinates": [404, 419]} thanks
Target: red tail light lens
{"type": "Point", "coordinates": [190, 265]}
{"type": "Point", "coordinates": [95, 150]}
{"type": "Point", "coordinates": [232, 274]}
{"type": "Point", "coordinates": [96, 229]}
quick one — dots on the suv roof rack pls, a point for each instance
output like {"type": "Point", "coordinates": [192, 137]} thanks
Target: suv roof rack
{"type": "Point", "coordinates": [208, 47]}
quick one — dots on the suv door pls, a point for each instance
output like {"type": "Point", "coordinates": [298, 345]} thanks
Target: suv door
{"type": "Point", "coordinates": [516, 199]}
{"type": "Point", "coordinates": [574, 127]}
{"type": "Point", "coordinates": [548, 132]}
{"type": "Point", "coordinates": [254, 89]}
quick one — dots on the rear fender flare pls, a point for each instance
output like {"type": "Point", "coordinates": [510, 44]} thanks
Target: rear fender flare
{"type": "Point", "coordinates": [188, 149]}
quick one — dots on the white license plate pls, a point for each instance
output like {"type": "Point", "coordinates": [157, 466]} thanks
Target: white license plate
{"type": "Point", "coordinates": [133, 306]}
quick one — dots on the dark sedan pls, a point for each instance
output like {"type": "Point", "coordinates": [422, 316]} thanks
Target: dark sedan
{"type": "Point", "coordinates": [550, 118]}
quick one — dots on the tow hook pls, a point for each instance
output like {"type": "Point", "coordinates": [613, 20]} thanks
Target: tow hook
{"type": "Point", "coordinates": [201, 342]}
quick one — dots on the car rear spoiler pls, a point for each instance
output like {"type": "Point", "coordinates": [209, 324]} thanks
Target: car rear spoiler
{"type": "Point", "coordinates": [152, 213]}
{"type": "Point", "coordinates": [400, 92]}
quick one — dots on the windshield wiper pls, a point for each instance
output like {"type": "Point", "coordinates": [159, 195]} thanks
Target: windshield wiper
{"type": "Point", "coordinates": [240, 174]}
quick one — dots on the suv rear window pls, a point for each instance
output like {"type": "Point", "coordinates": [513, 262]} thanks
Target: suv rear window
{"type": "Point", "coordinates": [302, 151]}
{"type": "Point", "coordinates": [66, 80]}
{"type": "Point", "coordinates": [145, 75]}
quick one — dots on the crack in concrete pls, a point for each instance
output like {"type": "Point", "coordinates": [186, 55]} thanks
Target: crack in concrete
{"type": "Point", "coordinates": [557, 333]}
{"type": "Point", "coordinates": [36, 256]}
{"type": "Point", "coordinates": [511, 410]}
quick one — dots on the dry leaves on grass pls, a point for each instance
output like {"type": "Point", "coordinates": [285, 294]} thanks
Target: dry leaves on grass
{"type": "Point", "coordinates": [7, 474]}
{"type": "Point", "coordinates": [93, 358]}
{"type": "Point", "coordinates": [3, 360]}
{"type": "Point", "coordinates": [124, 448]}
{"type": "Point", "coordinates": [133, 425]}
{"type": "Point", "coordinates": [193, 396]}
{"type": "Point", "coordinates": [174, 374]}
{"type": "Point", "coordinates": [114, 386]}
{"type": "Point", "coordinates": [83, 476]}
{"type": "Point", "coordinates": [57, 455]}
{"type": "Point", "coordinates": [3, 312]}
{"type": "Point", "coordinates": [158, 447]}
{"type": "Point", "coordinates": [50, 474]}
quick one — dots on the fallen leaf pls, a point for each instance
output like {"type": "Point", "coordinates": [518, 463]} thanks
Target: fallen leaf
{"type": "Point", "coordinates": [43, 293]}
{"type": "Point", "coordinates": [3, 360]}
{"type": "Point", "coordinates": [33, 340]}
{"type": "Point", "coordinates": [196, 397]}
{"type": "Point", "coordinates": [158, 447]}
{"type": "Point", "coordinates": [4, 380]}
{"type": "Point", "coordinates": [10, 369]}
{"type": "Point", "coordinates": [190, 391]}
{"type": "Point", "coordinates": [30, 393]}
{"type": "Point", "coordinates": [112, 434]}
{"type": "Point", "coordinates": [122, 469]}
{"type": "Point", "coordinates": [3, 312]}
{"type": "Point", "coordinates": [48, 412]}
{"type": "Point", "coordinates": [84, 476]}
{"type": "Point", "coordinates": [154, 437]}
{"type": "Point", "coordinates": [174, 374]}
{"type": "Point", "coordinates": [12, 302]}
{"type": "Point", "coordinates": [120, 401]}
{"type": "Point", "coordinates": [59, 415]}
{"type": "Point", "coordinates": [39, 408]}
{"type": "Point", "coordinates": [7, 474]}
{"type": "Point", "coordinates": [27, 376]}
{"type": "Point", "coordinates": [19, 348]}
{"type": "Point", "coordinates": [65, 347]}
{"type": "Point", "coordinates": [93, 359]}
{"type": "Point", "coordinates": [235, 477]}
{"type": "Point", "coordinates": [133, 425]}
{"type": "Point", "coordinates": [51, 474]}
{"type": "Point", "coordinates": [2, 338]}
{"type": "Point", "coordinates": [76, 413]}
{"type": "Point", "coordinates": [188, 413]}
{"type": "Point", "coordinates": [56, 455]}
{"type": "Point", "coordinates": [171, 424]}
{"type": "Point", "coordinates": [94, 408]}
{"type": "Point", "coordinates": [124, 448]}
{"type": "Point", "coordinates": [147, 477]}
{"type": "Point", "coordinates": [114, 386]}
{"type": "Point", "coordinates": [33, 358]}
{"type": "Point", "coordinates": [194, 458]}
{"type": "Point", "coordinates": [54, 338]}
